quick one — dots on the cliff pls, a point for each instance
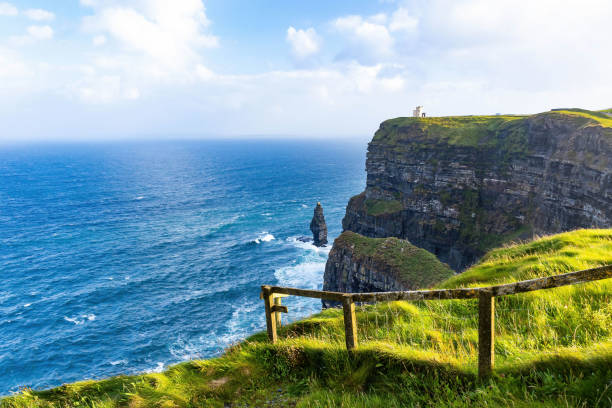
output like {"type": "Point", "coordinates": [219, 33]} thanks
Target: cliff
{"type": "Point", "coordinates": [360, 264]}
{"type": "Point", "coordinates": [458, 186]}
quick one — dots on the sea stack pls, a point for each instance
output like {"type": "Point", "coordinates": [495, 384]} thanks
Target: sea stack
{"type": "Point", "coordinates": [318, 227]}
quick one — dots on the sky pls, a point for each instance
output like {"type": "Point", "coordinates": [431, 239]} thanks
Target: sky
{"type": "Point", "coordinates": [109, 69]}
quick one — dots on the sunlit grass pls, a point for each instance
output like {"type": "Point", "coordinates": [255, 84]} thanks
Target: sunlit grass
{"type": "Point", "coordinates": [595, 117]}
{"type": "Point", "coordinates": [553, 348]}
{"type": "Point", "coordinates": [504, 133]}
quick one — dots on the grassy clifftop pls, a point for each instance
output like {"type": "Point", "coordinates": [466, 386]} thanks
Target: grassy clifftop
{"type": "Point", "coordinates": [498, 131]}
{"type": "Point", "coordinates": [409, 263]}
{"type": "Point", "coordinates": [482, 131]}
{"type": "Point", "coordinates": [553, 348]}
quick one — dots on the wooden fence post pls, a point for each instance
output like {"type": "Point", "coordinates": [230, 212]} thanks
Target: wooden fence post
{"type": "Point", "coordinates": [277, 313]}
{"type": "Point", "coordinates": [486, 334]}
{"type": "Point", "coordinates": [270, 320]}
{"type": "Point", "coordinates": [350, 322]}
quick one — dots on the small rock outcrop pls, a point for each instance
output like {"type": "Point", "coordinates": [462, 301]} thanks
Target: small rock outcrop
{"type": "Point", "coordinates": [360, 264]}
{"type": "Point", "coordinates": [318, 227]}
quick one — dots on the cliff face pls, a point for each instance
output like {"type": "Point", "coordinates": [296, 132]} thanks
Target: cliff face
{"type": "Point", "coordinates": [459, 186]}
{"type": "Point", "coordinates": [360, 264]}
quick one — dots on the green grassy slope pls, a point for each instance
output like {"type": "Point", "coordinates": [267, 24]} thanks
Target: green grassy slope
{"type": "Point", "coordinates": [410, 264]}
{"type": "Point", "coordinates": [553, 348]}
{"type": "Point", "coordinates": [599, 117]}
{"type": "Point", "coordinates": [481, 131]}
{"type": "Point", "coordinates": [505, 132]}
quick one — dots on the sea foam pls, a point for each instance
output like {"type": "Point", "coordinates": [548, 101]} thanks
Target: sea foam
{"type": "Point", "coordinates": [309, 246]}
{"type": "Point", "coordinates": [264, 237]}
{"type": "Point", "coordinates": [81, 320]}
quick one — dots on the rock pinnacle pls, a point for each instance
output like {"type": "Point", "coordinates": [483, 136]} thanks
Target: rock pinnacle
{"type": "Point", "coordinates": [318, 227]}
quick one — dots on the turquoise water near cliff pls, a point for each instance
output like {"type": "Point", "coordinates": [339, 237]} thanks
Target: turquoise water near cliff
{"type": "Point", "coordinates": [128, 257]}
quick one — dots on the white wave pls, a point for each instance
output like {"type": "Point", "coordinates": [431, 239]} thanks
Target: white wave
{"type": "Point", "coordinates": [27, 305]}
{"type": "Point", "coordinates": [139, 198]}
{"type": "Point", "coordinates": [159, 367]}
{"type": "Point", "coordinates": [309, 246]}
{"type": "Point", "coordinates": [242, 313]}
{"type": "Point", "coordinates": [122, 362]}
{"type": "Point", "coordinates": [247, 318]}
{"type": "Point", "coordinates": [80, 319]}
{"type": "Point", "coordinates": [303, 275]}
{"type": "Point", "coordinates": [184, 350]}
{"type": "Point", "coordinates": [264, 237]}
{"type": "Point", "coordinates": [73, 320]}
{"type": "Point", "coordinates": [304, 206]}
{"type": "Point", "coordinates": [193, 349]}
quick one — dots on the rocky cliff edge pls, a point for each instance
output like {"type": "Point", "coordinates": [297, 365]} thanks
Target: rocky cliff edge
{"type": "Point", "coordinates": [458, 186]}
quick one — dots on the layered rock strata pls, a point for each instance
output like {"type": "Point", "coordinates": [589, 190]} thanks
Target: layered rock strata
{"type": "Point", "coordinates": [360, 264]}
{"type": "Point", "coordinates": [459, 186]}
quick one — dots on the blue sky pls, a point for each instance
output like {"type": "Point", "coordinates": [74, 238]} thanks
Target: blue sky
{"type": "Point", "coordinates": [110, 69]}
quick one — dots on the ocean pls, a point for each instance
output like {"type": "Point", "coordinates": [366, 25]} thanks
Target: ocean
{"type": "Point", "coordinates": [122, 258]}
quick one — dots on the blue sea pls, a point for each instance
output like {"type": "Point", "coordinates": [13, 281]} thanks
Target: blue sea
{"type": "Point", "coordinates": [120, 258]}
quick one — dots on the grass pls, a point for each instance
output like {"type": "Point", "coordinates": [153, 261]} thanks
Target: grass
{"type": "Point", "coordinates": [505, 133]}
{"type": "Point", "coordinates": [380, 207]}
{"type": "Point", "coordinates": [477, 131]}
{"type": "Point", "coordinates": [593, 117]}
{"type": "Point", "coordinates": [553, 348]}
{"type": "Point", "coordinates": [412, 265]}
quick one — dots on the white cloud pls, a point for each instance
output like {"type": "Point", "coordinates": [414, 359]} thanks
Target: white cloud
{"type": "Point", "coordinates": [155, 43]}
{"type": "Point", "coordinates": [304, 43]}
{"type": "Point", "coordinates": [103, 89]}
{"type": "Point", "coordinates": [402, 20]}
{"type": "Point", "coordinates": [204, 73]}
{"type": "Point", "coordinates": [368, 40]}
{"type": "Point", "coordinates": [380, 18]}
{"type": "Point", "coordinates": [11, 64]}
{"type": "Point", "coordinates": [39, 14]}
{"type": "Point", "coordinates": [131, 93]}
{"type": "Point", "coordinates": [7, 9]}
{"type": "Point", "coordinates": [34, 33]}
{"type": "Point", "coordinates": [376, 38]}
{"type": "Point", "coordinates": [454, 57]}
{"type": "Point", "coordinates": [99, 40]}
{"type": "Point", "coordinates": [170, 33]}
{"type": "Point", "coordinates": [484, 22]}
{"type": "Point", "coordinates": [43, 32]}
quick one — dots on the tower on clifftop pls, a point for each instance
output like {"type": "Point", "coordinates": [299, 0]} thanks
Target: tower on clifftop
{"type": "Point", "coordinates": [418, 112]}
